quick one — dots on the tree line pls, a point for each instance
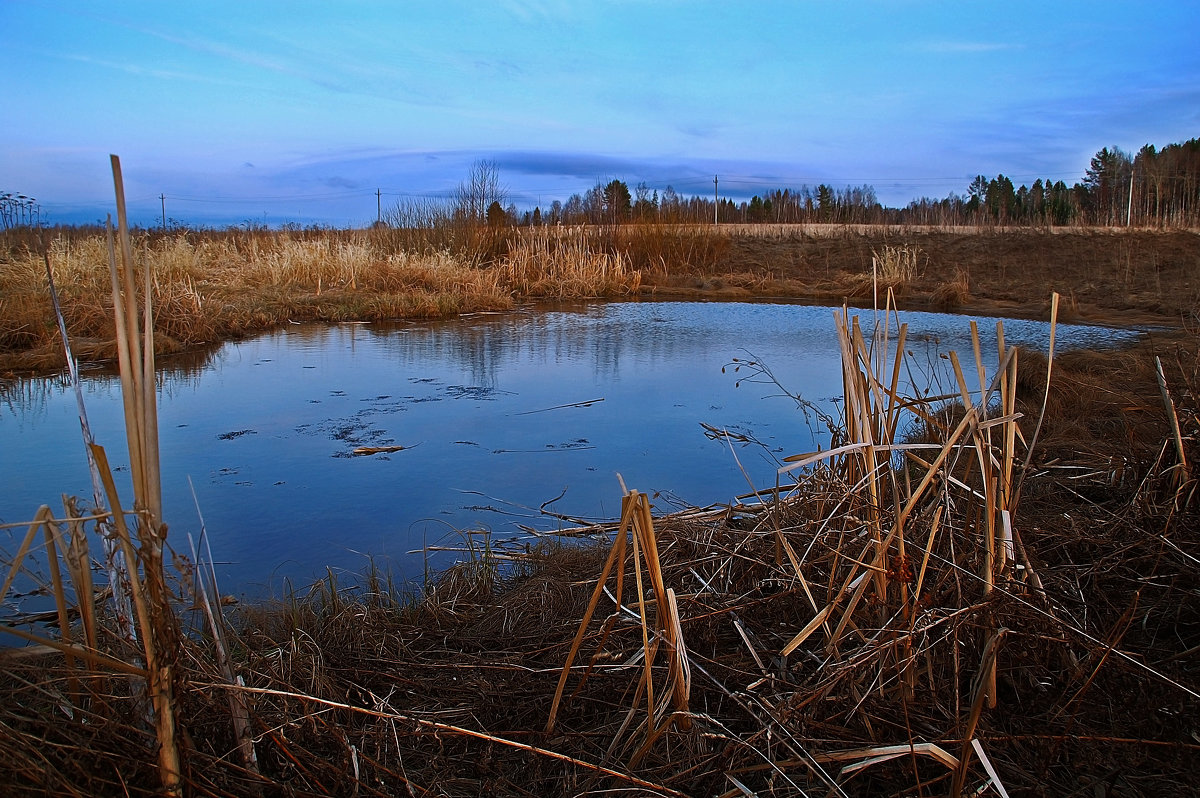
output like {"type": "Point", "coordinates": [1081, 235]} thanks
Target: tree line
{"type": "Point", "coordinates": [613, 203]}
{"type": "Point", "coordinates": [1152, 188]}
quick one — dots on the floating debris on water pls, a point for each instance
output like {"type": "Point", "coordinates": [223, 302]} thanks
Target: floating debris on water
{"type": "Point", "coordinates": [587, 403]}
{"type": "Point", "coordinates": [361, 450]}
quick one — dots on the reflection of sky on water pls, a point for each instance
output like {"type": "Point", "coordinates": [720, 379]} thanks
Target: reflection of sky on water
{"type": "Point", "coordinates": [265, 427]}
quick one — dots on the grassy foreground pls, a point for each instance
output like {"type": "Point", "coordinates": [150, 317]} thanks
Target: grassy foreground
{"type": "Point", "coordinates": [795, 656]}
{"type": "Point", "coordinates": [1003, 604]}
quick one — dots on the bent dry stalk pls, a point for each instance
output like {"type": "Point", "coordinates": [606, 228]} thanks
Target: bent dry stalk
{"type": "Point", "coordinates": [151, 600]}
{"type": "Point", "coordinates": [882, 575]}
{"type": "Point", "coordinates": [147, 592]}
{"type": "Point", "coordinates": [637, 530]}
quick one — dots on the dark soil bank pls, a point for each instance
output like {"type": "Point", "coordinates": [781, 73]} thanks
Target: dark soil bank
{"type": "Point", "coordinates": [1102, 275]}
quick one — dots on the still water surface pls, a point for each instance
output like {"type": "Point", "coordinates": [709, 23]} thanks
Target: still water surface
{"type": "Point", "coordinates": [491, 412]}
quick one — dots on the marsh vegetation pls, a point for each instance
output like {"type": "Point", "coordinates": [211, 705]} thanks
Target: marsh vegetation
{"type": "Point", "coordinates": [1003, 599]}
{"type": "Point", "coordinates": [212, 286]}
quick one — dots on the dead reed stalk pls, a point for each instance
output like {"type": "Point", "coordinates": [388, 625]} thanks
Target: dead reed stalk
{"type": "Point", "coordinates": [1181, 469]}
{"type": "Point", "coordinates": [663, 628]}
{"type": "Point", "coordinates": [151, 599]}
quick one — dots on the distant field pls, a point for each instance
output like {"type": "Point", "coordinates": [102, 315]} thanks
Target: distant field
{"type": "Point", "coordinates": [827, 230]}
{"type": "Point", "coordinates": [1102, 274]}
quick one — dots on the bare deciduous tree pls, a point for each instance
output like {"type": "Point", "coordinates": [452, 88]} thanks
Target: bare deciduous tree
{"type": "Point", "coordinates": [475, 194]}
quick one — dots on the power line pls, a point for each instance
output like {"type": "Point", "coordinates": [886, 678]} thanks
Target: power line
{"type": "Point", "coordinates": [277, 198]}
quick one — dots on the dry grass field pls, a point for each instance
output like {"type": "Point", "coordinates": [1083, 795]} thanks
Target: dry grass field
{"type": "Point", "coordinates": [1104, 276]}
{"type": "Point", "coordinates": [214, 286]}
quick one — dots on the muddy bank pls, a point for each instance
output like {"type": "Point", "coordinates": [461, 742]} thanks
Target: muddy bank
{"type": "Point", "coordinates": [1104, 276]}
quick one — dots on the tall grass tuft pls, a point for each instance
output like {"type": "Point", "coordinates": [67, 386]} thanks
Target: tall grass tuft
{"type": "Point", "coordinates": [893, 267]}
{"type": "Point", "coordinates": [568, 265]}
{"type": "Point", "coordinates": [660, 250]}
{"type": "Point", "coordinates": [953, 293]}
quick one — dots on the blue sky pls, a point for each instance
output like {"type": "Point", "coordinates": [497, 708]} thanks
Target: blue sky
{"type": "Point", "coordinates": [299, 111]}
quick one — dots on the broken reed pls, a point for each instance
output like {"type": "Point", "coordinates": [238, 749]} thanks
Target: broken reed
{"type": "Point", "coordinates": [882, 583]}
{"type": "Point", "coordinates": [661, 628]}
{"type": "Point", "coordinates": [137, 576]}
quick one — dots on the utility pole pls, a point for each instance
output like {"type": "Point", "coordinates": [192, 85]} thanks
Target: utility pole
{"type": "Point", "coordinates": [716, 199]}
{"type": "Point", "coordinates": [1129, 210]}
{"type": "Point", "coordinates": [378, 208]}
{"type": "Point", "coordinates": [163, 198]}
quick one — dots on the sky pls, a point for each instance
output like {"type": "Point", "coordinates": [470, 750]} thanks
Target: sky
{"type": "Point", "coordinates": [276, 112]}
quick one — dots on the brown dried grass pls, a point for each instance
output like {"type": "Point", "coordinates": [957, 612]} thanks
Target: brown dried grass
{"type": "Point", "coordinates": [217, 285]}
{"type": "Point", "coordinates": [567, 265]}
{"type": "Point", "coordinates": [822, 657]}
{"type": "Point", "coordinates": [207, 289]}
{"type": "Point", "coordinates": [954, 293]}
{"type": "Point", "coordinates": [210, 287]}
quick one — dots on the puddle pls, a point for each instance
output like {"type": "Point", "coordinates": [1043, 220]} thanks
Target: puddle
{"type": "Point", "coordinates": [494, 416]}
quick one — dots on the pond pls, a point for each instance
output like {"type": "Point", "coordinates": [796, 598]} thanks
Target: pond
{"type": "Point", "coordinates": [499, 415]}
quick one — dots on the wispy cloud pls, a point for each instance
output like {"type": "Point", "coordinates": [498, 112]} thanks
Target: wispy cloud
{"type": "Point", "coordinates": [224, 51]}
{"type": "Point", "coordinates": [139, 70]}
{"type": "Point", "coordinates": [338, 72]}
{"type": "Point", "coordinates": [964, 47]}
{"type": "Point", "coordinates": [540, 11]}
{"type": "Point", "coordinates": [581, 166]}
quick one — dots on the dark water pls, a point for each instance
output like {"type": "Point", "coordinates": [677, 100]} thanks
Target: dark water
{"type": "Point", "coordinates": [489, 411]}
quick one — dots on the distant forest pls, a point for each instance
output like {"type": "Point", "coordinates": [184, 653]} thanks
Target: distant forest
{"type": "Point", "coordinates": [1153, 188]}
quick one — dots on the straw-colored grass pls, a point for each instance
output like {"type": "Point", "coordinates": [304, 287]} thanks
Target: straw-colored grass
{"type": "Point", "coordinates": [895, 266]}
{"type": "Point", "coordinates": [564, 266]}
{"type": "Point", "coordinates": [953, 293]}
{"type": "Point", "coordinates": [208, 288]}
{"type": "Point", "coordinates": [663, 250]}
